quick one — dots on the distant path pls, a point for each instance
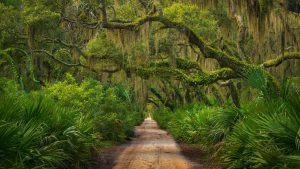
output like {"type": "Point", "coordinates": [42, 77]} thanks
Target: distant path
{"type": "Point", "coordinates": [152, 148]}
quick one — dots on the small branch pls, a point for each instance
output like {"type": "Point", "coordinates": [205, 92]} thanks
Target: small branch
{"type": "Point", "coordinates": [89, 25]}
{"type": "Point", "coordinates": [56, 59]}
{"type": "Point", "coordinates": [120, 21]}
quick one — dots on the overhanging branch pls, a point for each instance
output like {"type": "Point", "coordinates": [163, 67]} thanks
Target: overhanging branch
{"type": "Point", "coordinates": [178, 74]}
{"type": "Point", "coordinates": [280, 59]}
{"type": "Point", "coordinates": [65, 63]}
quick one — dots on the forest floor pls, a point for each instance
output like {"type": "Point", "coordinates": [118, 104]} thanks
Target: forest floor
{"type": "Point", "coordinates": [151, 148]}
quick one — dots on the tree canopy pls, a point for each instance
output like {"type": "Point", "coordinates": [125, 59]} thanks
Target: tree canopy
{"type": "Point", "coordinates": [197, 43]}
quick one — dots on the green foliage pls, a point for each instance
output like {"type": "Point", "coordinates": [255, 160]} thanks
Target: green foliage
{"type": "Point", "coordinates": [199, 123]}
{"type": "Point", "coordinates": [112, 106]}
{"type": "Point", "coordinates": [118, 126]}
{"type": "Point", "coordinates": [267, 138]}
{"type": "Point", "coordinates": [256, 79]}
{"type": "Point", "coordinates": [37, 133]}
{"type": "Point", "coordinates": [127, 11]}
{"type": "Point", "coordinates": [9, 24]}
{"type": "Point", "coordinates": [102, 46]}
{"type": "Point", "coordinates": [8, 86]}
{"type": "Point", "coordinates": [63, 54]}
{"type": "Point", "coordinates": [264, 134]}
{"type": "Point", "coordinates": [220, 13]}
{"type": "Point", "coordinates": [202, 22]}
{"type": "Point", "coordinates": [14, 3]}
{"type": "Point", "coordinates": [62, 125]}
{"type": "Point", "coordinates": [39, 13]}
{"type": "Point", "coordinates": [259, 79]}
{"type": "Point", "coordinates": [87, 96]}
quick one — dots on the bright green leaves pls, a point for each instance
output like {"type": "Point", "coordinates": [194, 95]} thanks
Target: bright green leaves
{"type": "Point", "coordinates": [255, 78]}
{"type": "Point", "coordinates": [38, 133]}
{"type": "Point", "coordinates": [259, 79]}
{"type": "Point", "coordinates": [85, 96]}
{"type": "Point", "coordinates": [39, 13]}
{"type": "Point", "coordinates": [200, 21]}
{"type": "Point", "coordinates": [124, 10]}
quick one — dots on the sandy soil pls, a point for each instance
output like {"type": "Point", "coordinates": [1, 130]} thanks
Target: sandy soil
{"type": "Point", "coordinates": [152, 148]}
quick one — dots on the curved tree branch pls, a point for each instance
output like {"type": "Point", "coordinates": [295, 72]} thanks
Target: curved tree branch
{"type": "Point", "coordinates": [280, 59]}
{"type": "Point", "coordinates": [232, 67]}
{"type": "Point", "coordinates": [178, 74]}
{"type": "Point", "coordinates": [65, 44]}
{"type": "Point", "coordinates": [65, 63]}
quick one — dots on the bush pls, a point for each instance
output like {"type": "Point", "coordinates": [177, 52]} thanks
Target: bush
{"type": "Point", "coordinates": [86, 96]}
{"type": "Point", "coordinates": [61, 125]}
{"type": "Point", "coordinates": [112, 107]}
{"type": "Point", "coordinates": [267, 138]}
{"type": "Point", "coordinates": [37, 133]}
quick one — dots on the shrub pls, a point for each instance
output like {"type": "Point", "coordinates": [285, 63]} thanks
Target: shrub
{"type": "Point", "coordinates": [37, 133]}
{"type": "Point", "coordinates": [112, 107]}
{"type": "Point", "coordinates": [267, 138]}
{"type": "Point", "coordinates": [61, 125]}
{"type": "Point", "coordinates": [263, 134]}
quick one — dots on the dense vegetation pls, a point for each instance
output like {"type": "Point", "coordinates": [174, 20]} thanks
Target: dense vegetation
{"type": "Point", "coordinates": [61, 126]}
{"type": "Point", "coordinates": [77, 75]}
{"type": "Point", "coordinates": [264, 133]}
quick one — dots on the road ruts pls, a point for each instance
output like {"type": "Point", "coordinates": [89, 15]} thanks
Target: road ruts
{"type": "Point", "coordinates": [152, 148]}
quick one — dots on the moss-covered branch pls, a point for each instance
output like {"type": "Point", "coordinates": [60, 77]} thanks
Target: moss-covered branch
{"type": "Point", "coordinates": [178, 74]}
{"type": "Point", "coordinates": [232, 67]}
{"type": "Point", "coordinates": [280, 59]}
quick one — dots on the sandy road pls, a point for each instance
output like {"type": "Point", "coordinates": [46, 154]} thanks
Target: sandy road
{"type": "Point", "coordinates": [152, 148]}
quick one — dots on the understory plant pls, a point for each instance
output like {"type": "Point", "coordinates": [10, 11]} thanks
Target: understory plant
{"type": "Point", "coordinates": [56, 128]}
{"type": "Point", "coordinates": [264, 133]}
{"type": "Point", "coordinates": [113, 107]}
{"type": "Point", "coordinates": [37, 133]}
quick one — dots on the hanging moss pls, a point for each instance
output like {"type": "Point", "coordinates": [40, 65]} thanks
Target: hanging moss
{"type": "Point", "coordinates": [265, 17]}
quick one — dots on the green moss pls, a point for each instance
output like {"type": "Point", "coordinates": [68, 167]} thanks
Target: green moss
{"type": "Point", "coordinates": [281, 58]}
{"type": "Point", "coordinates": [187, 64]}
{"type": "Point", "coordinates": [179, 74]}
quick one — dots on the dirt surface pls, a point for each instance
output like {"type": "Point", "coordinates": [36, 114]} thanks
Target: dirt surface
{"type": "Point", "coordinates": [152, 148]}
{"type": "Point", "coordinates": [197, 154]}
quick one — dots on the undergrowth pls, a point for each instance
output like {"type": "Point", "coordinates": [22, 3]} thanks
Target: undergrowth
{"type": "Point", "coordinates": [264, 133]}
{"type": "Point", "coordinates": [62, 125]}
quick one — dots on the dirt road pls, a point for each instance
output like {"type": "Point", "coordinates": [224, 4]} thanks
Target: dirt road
{"type": "Point", "coordinates": [152, 148]}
